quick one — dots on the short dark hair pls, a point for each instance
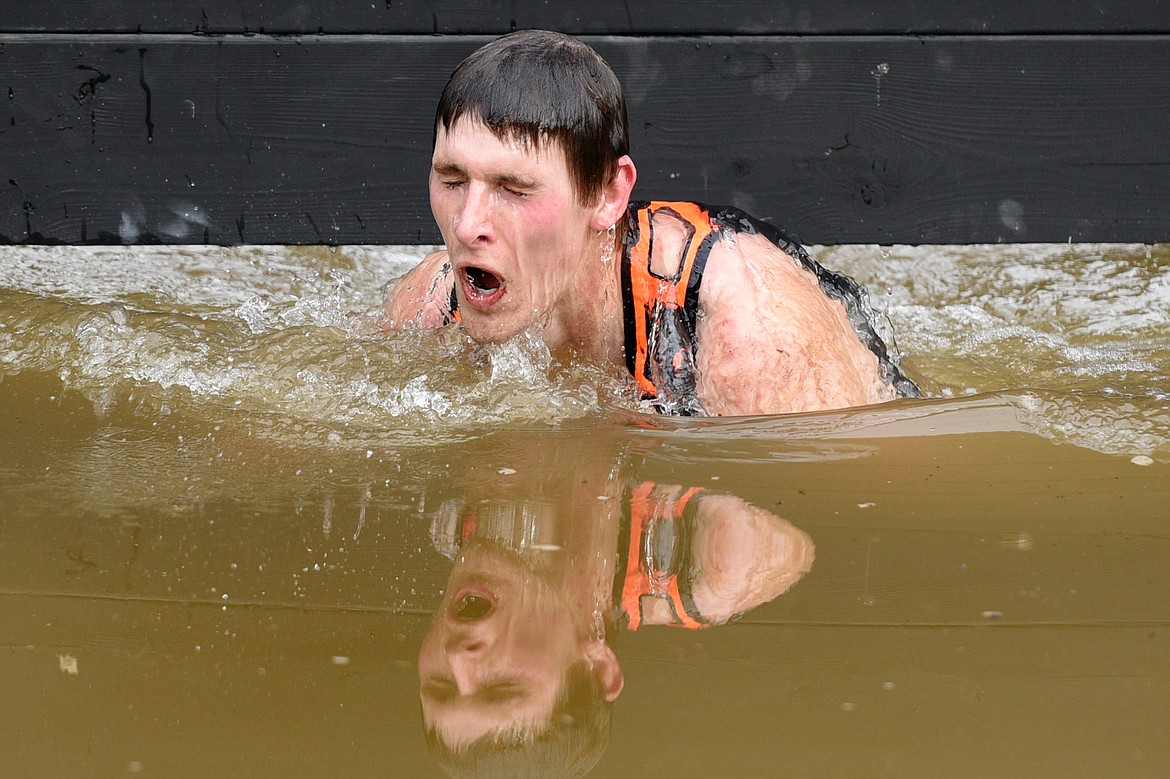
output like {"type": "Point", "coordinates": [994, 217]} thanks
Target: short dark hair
{"type": "Point", "coordinates": [536, 86]}
{"type": "Point", "coordinates": [570, 745]}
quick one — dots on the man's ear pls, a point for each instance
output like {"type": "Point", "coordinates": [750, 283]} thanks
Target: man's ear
{"type": "Point", "coordinates": [604, 665]}
{"type": "Point", "coordinates": [615, 196]}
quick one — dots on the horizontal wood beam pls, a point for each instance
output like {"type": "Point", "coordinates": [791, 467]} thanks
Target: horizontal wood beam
{"type": "Point", "coordinates": [645, 17]}
{"type": "Point", "coordinates": [838, 139]}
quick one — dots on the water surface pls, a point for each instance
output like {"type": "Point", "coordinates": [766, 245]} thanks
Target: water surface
{"type": "Point", "coordinates": [222, 490]}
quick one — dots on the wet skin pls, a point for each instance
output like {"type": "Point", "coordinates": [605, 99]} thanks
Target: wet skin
{"type": "Point", "coordinates": [495, 656]}
{"type": "Point", "coordinates": [522, 245]}
{"type": "Point", "coordinates": [523, 249]}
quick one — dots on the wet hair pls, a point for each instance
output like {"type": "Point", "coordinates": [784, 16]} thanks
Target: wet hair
{"type": "Point", "coordinates": [570, 744]}
{"type": "Point", "coordinates": [537, 86]}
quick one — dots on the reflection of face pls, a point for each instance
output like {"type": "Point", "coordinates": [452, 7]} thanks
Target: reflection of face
{"type": "Point", "coordinates": [515, 232]}
{"type": "Point", "coordinates": [497, 651]}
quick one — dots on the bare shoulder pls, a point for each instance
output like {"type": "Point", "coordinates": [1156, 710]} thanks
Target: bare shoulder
{"type": "Point", "coordinates": [770, 341]}
{"type": "Point", "coordinates": [421, 298]}
{"type": "Point", "coordinates": [745, 556]}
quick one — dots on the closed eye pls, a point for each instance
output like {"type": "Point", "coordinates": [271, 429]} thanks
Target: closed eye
{"type": "Point", "coordinates": [504, 692]}
{"type": "Point", "coordinates": [440, 690]}
{"type": "Point", "coordinates": [444, 690]}
{"type": "Point", "coordinates": [517, 186]}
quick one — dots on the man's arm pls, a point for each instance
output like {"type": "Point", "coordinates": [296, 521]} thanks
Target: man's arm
{"type": "Point", "coordinates": [422, 297]}
{"type": "Point", "coordinates": [740, 557]}
{"type": "Point", "coordinates": [771, 342]}
{"type": "Point", "coordinates": [745, 556]}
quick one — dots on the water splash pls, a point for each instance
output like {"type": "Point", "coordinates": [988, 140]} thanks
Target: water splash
{"type": "Point", "coordinates": [281, 337]}
{"type": "Point", "coordinates": [993, 318]}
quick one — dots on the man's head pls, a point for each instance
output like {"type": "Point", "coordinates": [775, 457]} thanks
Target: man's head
{"type": "Point", "coordinates": [539, 87]}
{"type": "Point", "coordinates": [569, 744]}
{"type": "Point", "coordinates": [529, 172]}
{"type": "Point", "coordinates": [508, 675]}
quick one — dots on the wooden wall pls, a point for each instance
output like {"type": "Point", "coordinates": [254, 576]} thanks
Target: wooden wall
{"type": "Point", "coordinates": [240, 121]}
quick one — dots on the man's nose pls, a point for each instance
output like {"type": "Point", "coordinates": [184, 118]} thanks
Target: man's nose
{"type": "Point", "coordinates": [467, 641]}
{"type": "Point", "coordinates": [473, 222]}
{"type": "Point", "coordinates": [465, 655]}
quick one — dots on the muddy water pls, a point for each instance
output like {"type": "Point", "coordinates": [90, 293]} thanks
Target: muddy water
{"type": "Point", "coordinates": [229, 510]}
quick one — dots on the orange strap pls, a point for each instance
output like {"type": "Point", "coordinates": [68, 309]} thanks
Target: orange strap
{"type": "Point", "coordinates": [642, 577]}
{"type": "Point", "coordinates": [650, 290]}
{"type": "Point", "coordinates": [453, 305]}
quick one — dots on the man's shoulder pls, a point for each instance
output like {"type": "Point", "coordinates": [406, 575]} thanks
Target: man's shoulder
{"type": "Point", "coordinates": [422, 296]}
{"type": "Point", "coordinates": [727, 218]}
{"type": "Point", "coordinates": [742, 261]}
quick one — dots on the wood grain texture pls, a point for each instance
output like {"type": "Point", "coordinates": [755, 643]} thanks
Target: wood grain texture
{"type": "Point", "coordinates": [838, 139]}
{"type": "Point", "coordinates": [653, 17]}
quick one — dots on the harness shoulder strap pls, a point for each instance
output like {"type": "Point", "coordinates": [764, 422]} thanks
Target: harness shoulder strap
{"type": "Point", "coordinates": [658, 556]}
{"type": "Point", "coordinates": [453, 302]}
{"type": "Point", "coordinates": [658, 352]}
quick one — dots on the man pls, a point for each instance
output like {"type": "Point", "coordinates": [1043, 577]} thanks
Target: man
{"type": "Point", "coordinates": [708, 309]}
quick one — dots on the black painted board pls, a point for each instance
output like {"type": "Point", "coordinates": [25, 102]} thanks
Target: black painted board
{"type": "Point", "coordinates": [836, 139]}
{"type": "Point", "coordinates": [230, 140]}
{"type": "Point", "coordinates": [601, 17]}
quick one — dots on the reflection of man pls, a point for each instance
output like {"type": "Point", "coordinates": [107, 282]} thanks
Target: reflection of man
{"type": "Point", "coordinates": [513, 681]}
{"type": "Point", "coordinates": [709, 310]}
{"type": "Point", "coordinates": [517, 673]}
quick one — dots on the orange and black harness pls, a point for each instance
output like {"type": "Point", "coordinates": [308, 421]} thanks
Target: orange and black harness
{"type": "Point", "coordinates": [661, 311]}
{"type": "Point", "coordinates": [658, 561]}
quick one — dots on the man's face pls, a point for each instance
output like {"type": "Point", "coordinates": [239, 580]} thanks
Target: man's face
{"type": "Point", "coordinates": [515, 231]}
{"type": "Point", "coordinates": [497, 652]}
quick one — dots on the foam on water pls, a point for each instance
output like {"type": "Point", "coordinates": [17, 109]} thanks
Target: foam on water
{"type": "Point", "coordinates": [1085, 327]}
{"type": "Point", "coordinates": [197, 279]}
{"type": "Point", "coordinates": [1076, 338]}
{"type": "Point", "coordinates": [281, 335]}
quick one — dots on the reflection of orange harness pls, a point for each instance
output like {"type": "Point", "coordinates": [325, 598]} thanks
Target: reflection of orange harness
{"type": "Point", "coordinates": [661, 310]}
{"type": "Point", "coordinates": [659, 555]}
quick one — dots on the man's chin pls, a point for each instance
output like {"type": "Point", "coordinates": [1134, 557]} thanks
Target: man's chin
{"type": "Point", "coordinates": [490, 329]}
{"type": "Point", "coordinates": [485, 336]}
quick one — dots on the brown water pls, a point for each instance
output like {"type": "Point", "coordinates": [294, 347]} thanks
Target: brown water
{"type": "Point", "coordinates": [222, 517]}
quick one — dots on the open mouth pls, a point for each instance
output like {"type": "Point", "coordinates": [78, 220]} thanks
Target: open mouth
{"type": "Point", "coordinates": [472, 607]}
{"type": "Point", "coordinates": [483, 280]}
{"type": "Point", "coordinates": [472, 602]}
{"type": "Point", "coordinates": [481, 287]}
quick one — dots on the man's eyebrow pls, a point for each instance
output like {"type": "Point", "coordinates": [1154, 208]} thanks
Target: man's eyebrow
{"type": "Point", "coordinates": [510, 180]}
{"type": "Point", "coordinates": [514, 181]}
{"type": "Point", "coordinates": [447, 169]}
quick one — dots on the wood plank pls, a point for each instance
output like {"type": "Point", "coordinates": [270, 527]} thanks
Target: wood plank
{"type": "Point", "coordinates": [261, 139]}
{"type": "Point", "coordinates": [655, 17]}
